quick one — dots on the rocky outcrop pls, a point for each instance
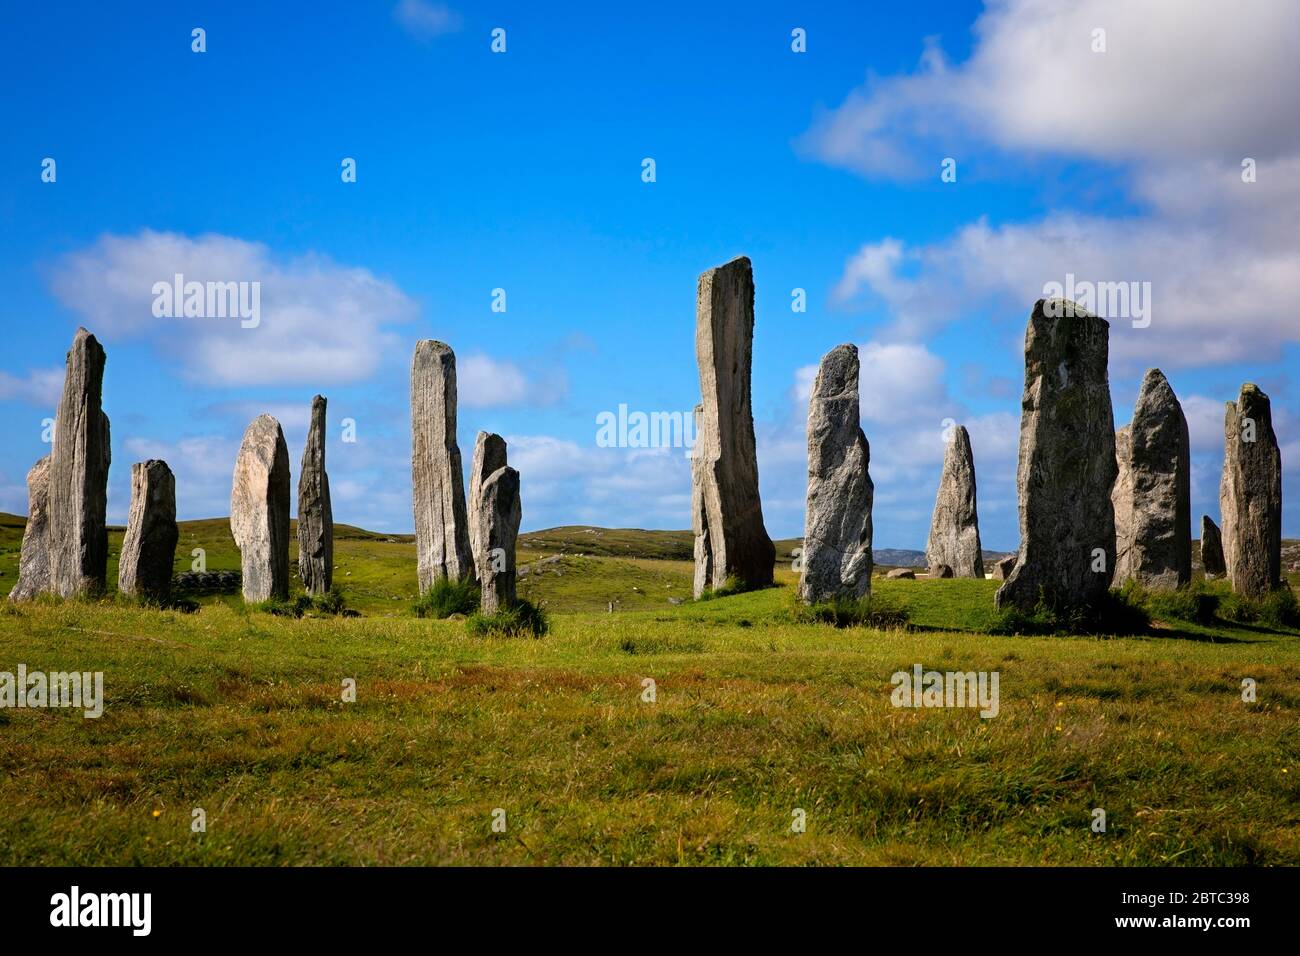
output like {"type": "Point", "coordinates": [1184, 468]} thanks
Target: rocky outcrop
{"type": "Point", "coordinates": [78, 496]}
{"type": "Point", "coordinates": [34, 559]}
{"type": "Point", "coordinates": [837, 521]}
{"type": "Point", "coordinates": [954, 527]}
{"type": "Point", "coordinates": [437, 483]}
{"type": "Point", "coordinates": [1067, 463]}
{"type": "Point", "coordinates": [496, 533]}
{"type": "Point", "coordinates": [1211, 549]}
{"type": "Point", "coordinates": [1250, 495]}
{"type": "Point", "coordinates": [149, 546]}
{"type": "Point", "coordinates": [315, 516]}
{"type": "Point", "coordinates": [489, 455]}
{"type": "Point", "coordinates": [730, 539]}
{"type": "Point", "coordinates": [259, 510]}
{"type": "Point", "coordinates": [1152, 496]}
{"type": "Point", "coordinates": [901, 573]}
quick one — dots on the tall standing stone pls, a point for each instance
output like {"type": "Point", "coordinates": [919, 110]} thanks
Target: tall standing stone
{"type": "Point", "coordinates": [730, 540]}
{"type": "Point", "coordinates": [79, 464]}
{"type": "Point", "coordinates": [496, 534]}
{"type": "Point", "coordinates": [1152, 496]}
{"type": "Point", "coordinates": [837, 523]}
{"type": "Point", "coordinates": [259, 510]}
{"type": "Point", "coordinates": [489, 455]}
{"type": "Point", "coordinates": [437, 483]}
{"type": "Point", "coordinates": [34, 559]}
{"type": "Point", "coordinates": [1067, 463]}
{"type": "Point", "coordinates": [315, 517]}
{"type": "Point", "coordinates": [954, 526]}
{"type": "Point", "coordinates": [1250, 495]}
{"type": "Point", "coordinates": [149, 547]}
{"type": "Point", "coordinates": [1211, 548]}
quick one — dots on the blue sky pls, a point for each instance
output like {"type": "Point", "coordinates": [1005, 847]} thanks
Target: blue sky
{"type": "Point", "coordinates": [522, 171]}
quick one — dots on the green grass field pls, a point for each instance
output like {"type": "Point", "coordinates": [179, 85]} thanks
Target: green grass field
{"type": "Point", "coordinates": [240, 713]}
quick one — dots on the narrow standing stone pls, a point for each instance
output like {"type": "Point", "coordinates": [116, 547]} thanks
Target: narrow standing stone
{"type": "Point", "coordinates": [954, 527]}
{"type": "Point", "coordinates": [731, 541]}
{"type": "Point", "coordinates": [837, 522]}
{"type": "Point", "coordinates": [1250, 495]}
{"type": "Point", "coordinates": [1211, 549]}
{"type": "Point", "coordinates": [259, 510]}
{"type": "Point", "coordinates": [437, 483]}
{"type": "Point", "coordinates": [489, 455]}
{"type": "Point", "coordinates": [34, 559]}
{"type": "Point", "coordinates": [1067, 463]}
{"type": "Point", "coordinates": [79, 475]}
{"type": "Point", "coordinates": [496, 533]}
{"type": "Point", "coordinates": [1152, 496]}
{"type": "Point", "coordinates": [149, 547]}
{"type": "Point", "coordinates": [315, 517]}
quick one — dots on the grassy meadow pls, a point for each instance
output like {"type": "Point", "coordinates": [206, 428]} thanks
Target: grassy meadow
{"type": "Point", "coordinates": [240, 713]}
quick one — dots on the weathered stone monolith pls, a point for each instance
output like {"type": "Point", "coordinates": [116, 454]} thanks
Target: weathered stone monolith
{"type": "Point", "coordinates": [837, 522]}
{"type": "Point", "coordinates": [730, 540]}
{"type": "Point", "coordinates": [315, 516]}
{"type": "Point", "coordinates": [79, 464]}
{"type": "Point", "coordinates": [1003, 568]}
{"type": "Point", "coordinates": [259, 510]}
{"type": "Point", "coordinates": [437, 483]}
{"type": "Point", "coordinates": [489, 455]}
{"type": "Point", "coordinates": [1211, 548]}
{"type": "Point", "coordinates": [34, 559]}
{"type": "Point", "coordinates": [1250, 495]}
{"type": "Point", "coordinates": [1152, 495]}
{"type": "Point", "coordinates": [149, 547]}
{"type": "Point", "coordinates": [954, 527]}
{"type": "Point", "coordinates": [1067, 463]}
{"type": "Point", "coordinates": [496, 532]}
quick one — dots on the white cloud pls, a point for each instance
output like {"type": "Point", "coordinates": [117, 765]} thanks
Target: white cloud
{"type": "Point", "coordinates": [41, 387]}
{"type": "Point", "coordinates": [321, 322]}
{"type": "Point", "coordinates": [426, 20]}
{"type": "Point", "coordinates": [484, 382]}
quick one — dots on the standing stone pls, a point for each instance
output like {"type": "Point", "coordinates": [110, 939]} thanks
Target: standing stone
{"type": "Point", "coordinates": [1002, 570]}
{"type": "Point", "coordinates": [1067, 463]}
{"type": "Point", "coordinates": [438, 490]}
{"type": "Point", "coordinates": [495, 536]}
{"type": "Point", "coordinates": [1152, 496]}
{"type": "Point", "coordinates": [79, 464]}
{"type": "Point", "coordinates": [489, 455]}
{"type": "Point", "coordinates": [1250, 495]}
{"type": "Point", "coordinates": [954, 527]}
{"type": "Point", "coordinates": [730, 540]}
{"type": "Point", "coordinates": [259, 510]}
{"type": "Point", "coordinates": [837, 523]}
{"type": "Point", "coordinates": [34, 560]}
{"type": "Point", "coordinates": [149, 547]}
{"type": "Point", "coordinates": [1211, 548]}
{"type": "Point", "coordinates": [315, 517]}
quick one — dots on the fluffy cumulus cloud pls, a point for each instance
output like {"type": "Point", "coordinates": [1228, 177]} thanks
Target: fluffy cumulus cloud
{"type": "Point", "coordinates": [40, 387]}
{"type": "Point", "coordinates": [316, 321]}
{"type": "Point", "coordinates": [485, 382]}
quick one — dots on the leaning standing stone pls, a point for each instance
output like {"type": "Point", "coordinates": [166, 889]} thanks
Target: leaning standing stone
{"type": "Point", "coordinates": [489, 455]}
{"type": "Point", "coordinates": [34, 560]}
{"type": "Point", "coordinates": [259, 510]}
{"type": "Point", "coordinates": [1067, 463]}
{"type": "Point", "coordinates": [1153, 493]}
{"type": "Point", "coordinates": [437, 484]}
{"type": "Point", "coordinates": [1211, 548]}
{"type": "Point", "coordinates": [1250, 495]}
{"type": "Point", "coordinates": [497, 532]}
{"type": "Point", "coordinates": [315, 517]}
{"type": "Point", "coordinates": [731, 541]}
{"type": "Point", "coordinates": [149, 547]}
{"type": "Point", "coordinates": [837, 522]}
{"type": "Point", "coordinates": [79, 464]}
{"type": "Point", "coordinates": [954, 528]}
